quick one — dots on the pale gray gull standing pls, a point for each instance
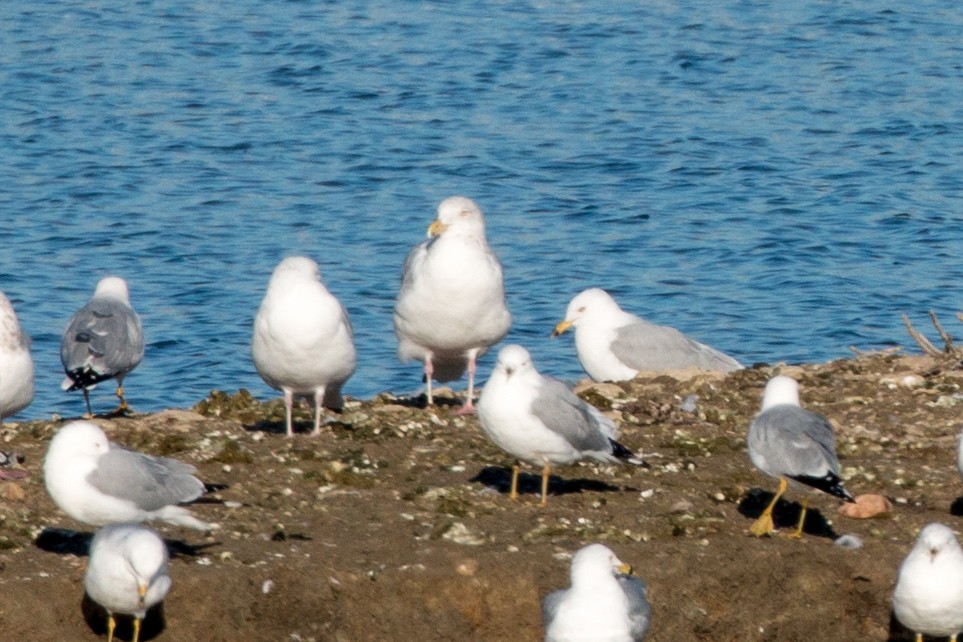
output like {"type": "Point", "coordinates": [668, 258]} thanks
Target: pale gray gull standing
{"type": "Point", "coordinates": [796, 446]}
{"type": "Point", "coordinates": [605, 603]}
{"type": "Point", "coordinates": [451, 306]}
{"type": "Point", "coordinates": [98, 482]}
{"type": "Point", "coordinates": [103, 340]}
{"type": "Point", "coordinates": [16, 366]}
{"type": "Point", "coordinates": [928, 598]}
{"type": "Point", "coordinates": [539, 420]}
{"type": "Point", "coordinates": [303, 344]}
{"type": "Point", "coordinates": [614, 345]}
{"type": "Point", "coordinates": [127, 572]}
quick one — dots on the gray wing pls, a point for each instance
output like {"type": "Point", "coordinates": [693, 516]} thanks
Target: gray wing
{"type": "Point", "coordinates": [550, 606]}
{"type": "Point", "coordinates": [150, 482]}
{"type": "Point", "coordinates": [565, 414]}
{"type": "Point", "coordinates": [646, 346]}
{"type": "Point", "coordinates": [416, 256]}
{"type": "Point", "coordinates": [105, 338]}
{"type": "Point", "coordinates": [640, 611]}
{"type": "Point", "coordinates": [794, 442]}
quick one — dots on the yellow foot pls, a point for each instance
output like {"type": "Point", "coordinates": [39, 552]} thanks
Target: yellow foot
{"type": "Point", "coordinates": [763, 526]}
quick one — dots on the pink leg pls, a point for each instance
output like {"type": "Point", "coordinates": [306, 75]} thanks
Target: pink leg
{"type": "Point", "coordinates": [288, 407]}
{"type": "Point", "coordinates": [318, 409]}
{"type": "Point", "coordinates": [429, 372]}
{"type": "Point", "coordinates": [468, 408]}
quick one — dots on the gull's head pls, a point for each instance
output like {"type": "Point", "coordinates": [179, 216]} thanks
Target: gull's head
{"type": "Point", "coordinates": [513, 359]}
{"type": "Point", "coordinates": [296, 268]}
{"type": "Point", "coordinates": [460, 214]}
{"type": "Point", "coordinates": [113, 287]}
{"type": "Point", "coordinates": [597, 561]}
{"type": "Point", "coordinates": [588, 304]}
{"type": "Point", "coordinates": [146, 556]}
{"type": "Point", "coordinates": [79, 438]}
{"type": "Point", "coordinates": [780, 390]}
{"type": "Point", "coordinates": [935, 539]}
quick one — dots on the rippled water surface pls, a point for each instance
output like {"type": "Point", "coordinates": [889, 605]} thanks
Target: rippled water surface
{"type": "Point", "coordinates": [779, 183]}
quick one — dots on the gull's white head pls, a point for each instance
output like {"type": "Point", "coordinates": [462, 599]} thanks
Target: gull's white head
{"type": "Point", "coordinates": [296, 268]}
{"type": "Point", "coordinates": [513, 359]}
{"type": "Point", "coordinates": [79, 438]}
{"type": "Point", "coordinates": [459, 214]}
{"type": "Point", "coordinates": [594, 562]}
{"type": "Point", "coordinates": [934, 540]}
{"type": "Point", "coordinates": [113, 287]}
{"type": "Point", "coordinates": [590, 304]}
{"type": "Point", "coordinates": [146, 555]}
{"type": "Point", "coordinates": [780, 390]}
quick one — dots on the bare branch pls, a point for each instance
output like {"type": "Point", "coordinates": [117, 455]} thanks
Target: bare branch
{"type": "Point", "coordinates": [947, 339]}
{"type": "Point", "coordinates": [921, 340]}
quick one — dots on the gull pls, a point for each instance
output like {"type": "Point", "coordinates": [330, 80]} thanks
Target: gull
{"type": "Point", "coordinates": [538, 419]}
{"type": "Point", "coordinates": [605, 603]}
{"type": "Point", "coordinates": [127, 572]}
{"type": "Point", "coordinates": [795, 445]}
{"type": "Point", "coordinates": [16, 366]}
{"type": "Point", "coordinates": [928, 598]}
{"type": "Point", "coordinates": [103, 340]}
{"type": "Point", "coordinates": [451, 306]}
{"type": "Point", "coordinates": [98, 482]}
{"type": "Point", "coordinates": [614, 345]}
{"type": "Point", "coordinates": [303, 343]}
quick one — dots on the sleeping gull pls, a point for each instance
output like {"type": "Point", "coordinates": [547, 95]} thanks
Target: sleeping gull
{"type": "Point", "coordinates": [605, 603]}
{"type": "Point", "coordinates": [539, 420]}
{"type": "Point", "coordinates": [127, 572]}
{"type": "Point", "coordinates": [98, 482]}
{"type": "Point", "coordinates": [928, 598]}
{"type": "Point", "coordinates": [16, 366]}
{"type": "Point", "coordinates": [103, 340]}
{"type": "Point", "coordinates": [302, 342]}
{"type": "Point", "coordinates": [451, 306]}
{"type": "Point", "coordinates": [614, 345]}
{"type": "Point", "coordinates": [795, 445]}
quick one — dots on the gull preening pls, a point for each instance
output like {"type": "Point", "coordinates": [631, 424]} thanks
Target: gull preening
{"type": "Point", "coordinates": [605, 602]}
{"type": "Point", "coordinates": [16, 365]}
{"type": "Point", "coordinates": [98, 482]}
{"type": "Point", "coordinates": [451, 306]}
{"type": "Point", "coordinates": [928, 598]}
{"type": "Point", "coordinates": [614, 345]}
{"type": "Point", "coordinates": [127, 572]}
{"type": "Point", "coordinates": [303, 344]}
{"type": "Point", "coordinates": [103, 340]}
{"type": "Point", "coordinates": [796, 446]}
{"type": "Point", "coordinates": [539, 420]}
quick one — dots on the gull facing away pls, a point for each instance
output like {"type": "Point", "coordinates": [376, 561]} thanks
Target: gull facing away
{"type": "Point", "coordinates": [103, 340]}
{"type": "Point", "coordinates": [928, 598]}
{"type": "Point", "coordinates": [98, 482]}
{"type": "Point", "coordinates": [127, 572]}
{"type": "Point", "coordinates": [795, 445]}
{"type": "Point", "coordinates": [539, 420]}
{"type": "Point", "coordinates": [451, 306]}
{"type": "Point", "coordinates": [605, 603]}
{"type": "Point", "coordinates": [303, 344]}
{"type": "Point", "coordinates": [614, 345]}
{"type": "Point", "coordinates": [16, 366]}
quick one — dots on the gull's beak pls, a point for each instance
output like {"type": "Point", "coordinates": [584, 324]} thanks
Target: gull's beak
{"type": "Point", "coordinates": [141, 592]}
{"type": "Point", "coordinates": [933, 553]}
{"type": "Point", "coordinates": [560, 328]}
{"type": "Point", "coordinates": [625, 569]}
{"type": "Point", "coordinates": [436, 228]}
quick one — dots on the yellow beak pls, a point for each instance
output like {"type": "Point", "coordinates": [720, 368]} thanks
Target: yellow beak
{"type": "Point", "coordinates": [436, 228]}
{"type": "Point", "coordinates": [142, 592]}
{"type": "Point", "coordinates": [625, 569]}
{"type": "Point", "coordinates": [561, 327]}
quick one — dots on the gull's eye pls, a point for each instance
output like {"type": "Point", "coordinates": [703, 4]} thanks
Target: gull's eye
{"type": "Point", "coordinates": [582, 309]}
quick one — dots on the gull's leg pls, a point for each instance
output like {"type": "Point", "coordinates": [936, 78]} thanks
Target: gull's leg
{"type": "Point", "coordinates": [802, 518]}
{"type": "Point", "coordinates": [123, 408]}
{"type": "Point", "coordinates": [90, 413]}
{"type": "Point", "coordinates": [429, 372]}
{"type": "Point", "coordinates": [136, 629]}
{"type": "Point", "coordinates": [468, 408]}
{"type": "Point", "coordinates": [514, 493]}
{"type": "Point", "coordinates": [288, 409]}
{"type": "Point", "coordinates": [546, 470]}
{"type": "Point", "coordinates": [111, 625]}
{"type": "Point", "coordinates": [318, 409]}
{"type": "Point", "coordinates": [919, 637]}
{"type": "Point", "coordinates": [764, 525]}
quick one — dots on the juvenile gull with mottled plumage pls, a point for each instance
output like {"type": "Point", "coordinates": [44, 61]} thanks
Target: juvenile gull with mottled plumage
{"type": "Point", "coordinates": [614, 345]}
{"type": "Point", "coordinates": [539, 420]}
{"type": "Point", "coordinates": [451, 306]}
{"type": "Point", "coordinates": [103, 340]}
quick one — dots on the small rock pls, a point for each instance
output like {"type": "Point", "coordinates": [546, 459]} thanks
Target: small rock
{"type": "Point", "coordinates": [850, 541]}
{"type": "Point", "coordinates": [468, 568]}
{"type": "Point", "coordinates": [12, 492]}
{"type": "Point", "coordinates": [866, 506]}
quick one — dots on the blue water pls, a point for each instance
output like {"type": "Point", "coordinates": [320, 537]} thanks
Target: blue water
{"type": "Point", "coordinates": [781, 182]}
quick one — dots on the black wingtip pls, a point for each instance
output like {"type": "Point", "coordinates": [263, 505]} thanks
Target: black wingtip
{"type": "Point", "coordinates": [85, 378]}
{"type": "Point", "coordinates": [829, 483]}
{"type": "Point", "coordinates": [621, 452]}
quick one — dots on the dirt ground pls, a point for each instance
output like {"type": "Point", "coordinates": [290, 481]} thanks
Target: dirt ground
{"type": "Point", "coordinates": [395, 524]}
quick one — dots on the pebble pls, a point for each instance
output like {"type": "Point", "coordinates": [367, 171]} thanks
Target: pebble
{"type": "Point", "coordinates": [866, 506]}
{"type": "Point", "coordinates": [850, 541]}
